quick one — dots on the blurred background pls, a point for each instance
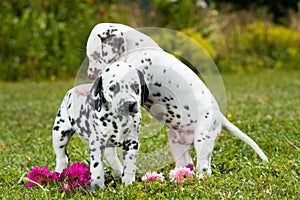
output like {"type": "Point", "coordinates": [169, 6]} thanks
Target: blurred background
{"type": "Point", "coordinates": [46, 39]}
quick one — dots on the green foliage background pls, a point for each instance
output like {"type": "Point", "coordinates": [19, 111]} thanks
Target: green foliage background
{"type": "Point", "coordinates": [45, 40]}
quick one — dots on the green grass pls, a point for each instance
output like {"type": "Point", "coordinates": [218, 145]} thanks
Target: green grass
{"type": "Point", "coordinates": [265, 106]}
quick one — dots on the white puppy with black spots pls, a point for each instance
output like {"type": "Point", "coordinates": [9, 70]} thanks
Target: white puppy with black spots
{"type": "Point", "coordinates": [108, 117]}
{"type": "Point", "coordinates": [177, 97]}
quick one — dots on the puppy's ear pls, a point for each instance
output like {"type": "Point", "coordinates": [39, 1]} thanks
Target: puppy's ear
{"type": "Point", "coordinates": [113, 44]}
{"type": "Point", "coordinates": [144, 88]}
{"type": "Point", "coordinates": [96, 96]}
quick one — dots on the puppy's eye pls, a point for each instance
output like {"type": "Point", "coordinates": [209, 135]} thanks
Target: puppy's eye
{"type": "Point", "coordinates": [112, 88]}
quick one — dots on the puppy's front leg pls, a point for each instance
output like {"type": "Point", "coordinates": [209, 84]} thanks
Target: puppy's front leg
{"type": "Point", "coordinates": [97, 143]}
{"type": "Point", "coordinates": [130, 151]}
{"type": "Point", "coordinates": [113, 160]}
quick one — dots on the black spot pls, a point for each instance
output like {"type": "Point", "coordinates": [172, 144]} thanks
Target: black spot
{"type": "Point", "coordinates": [114, 125]}
{"type": "Point", "coordinates": [107, 69]}
{"type": "Point", "coordinates": [178, 116]}
{"type": "Point", "coordinates": [187, 107]}
{"type": "Point", "coordinates": [72, 121]}
{"type": "Point", "coordinates": [157, 84]}
{"type": "Point", "coordinates": [102, 148]}
{"type": "Point", "coordinates": [164, 71]}
{"type": "Point", "coordinates": [168, 121]}
{"type": "Point", "coordinates": [171, 112]}
{"type": "Point", "coordinates": [96, 164]}
{"type": "Point", "coordinates": [92, 150]}
{"type": "Point", "coordinates": [126, 131]}
{"type": "Point", "coordinates": [157, 94]}
{"type": "Point", "coordinates": [58, 114]}
{"type": "Point", "coordinates": [56, 128]}
{"type": "Point", "coordinates": [135, 145]}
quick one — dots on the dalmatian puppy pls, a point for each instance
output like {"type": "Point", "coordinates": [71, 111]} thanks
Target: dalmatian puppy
{"type": "Point", "coordinates": [108, 117]}
{"type": "Point", "coordinates": [177, 97]}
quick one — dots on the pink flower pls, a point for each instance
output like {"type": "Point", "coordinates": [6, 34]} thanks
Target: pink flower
{"type": "Point", "coordinates": [77, 175]}
{"type": "Point", "coordinates": [181, 174]}
{"type": "Point", "coordinates": [42, 176]}
{"type": "Point", "coordinates": [152, 176]}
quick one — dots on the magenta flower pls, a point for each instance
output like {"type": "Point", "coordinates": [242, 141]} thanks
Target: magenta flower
{"type": "Point", "coordinates": [77, 175]}
{"type": "Point", "coordinates": [181, 174]}
{"type": "Point", "coordinates": [190, 166]}
{"type": "Point", "coordinates": [42, 176]}
{"type": "Point", "coordinates": [152, 176]}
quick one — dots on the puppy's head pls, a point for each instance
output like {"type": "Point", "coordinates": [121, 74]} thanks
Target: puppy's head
{"type": "Point", "coordinates": [122, 86]}
{"type": "Point", "coordinates": [105, 45]}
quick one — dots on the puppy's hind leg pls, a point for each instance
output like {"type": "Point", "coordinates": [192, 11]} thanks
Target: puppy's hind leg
{"type": "Point", "coordinates": [61, 134]}
{"type": "Point", "coordinates": [205, 136]}
{"type": "Point", "coordinates": [180, 152]}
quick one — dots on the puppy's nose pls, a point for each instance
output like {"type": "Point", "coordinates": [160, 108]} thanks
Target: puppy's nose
{"type": "Point", "coordinates": [132, 107]}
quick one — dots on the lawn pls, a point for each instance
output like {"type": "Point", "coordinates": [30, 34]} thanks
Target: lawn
{"type": "Point", "coordinates": [266, 106]}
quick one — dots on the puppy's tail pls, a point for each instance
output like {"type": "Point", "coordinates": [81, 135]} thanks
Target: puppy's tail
{"type": "Point", "coordinates": [238, 133]}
